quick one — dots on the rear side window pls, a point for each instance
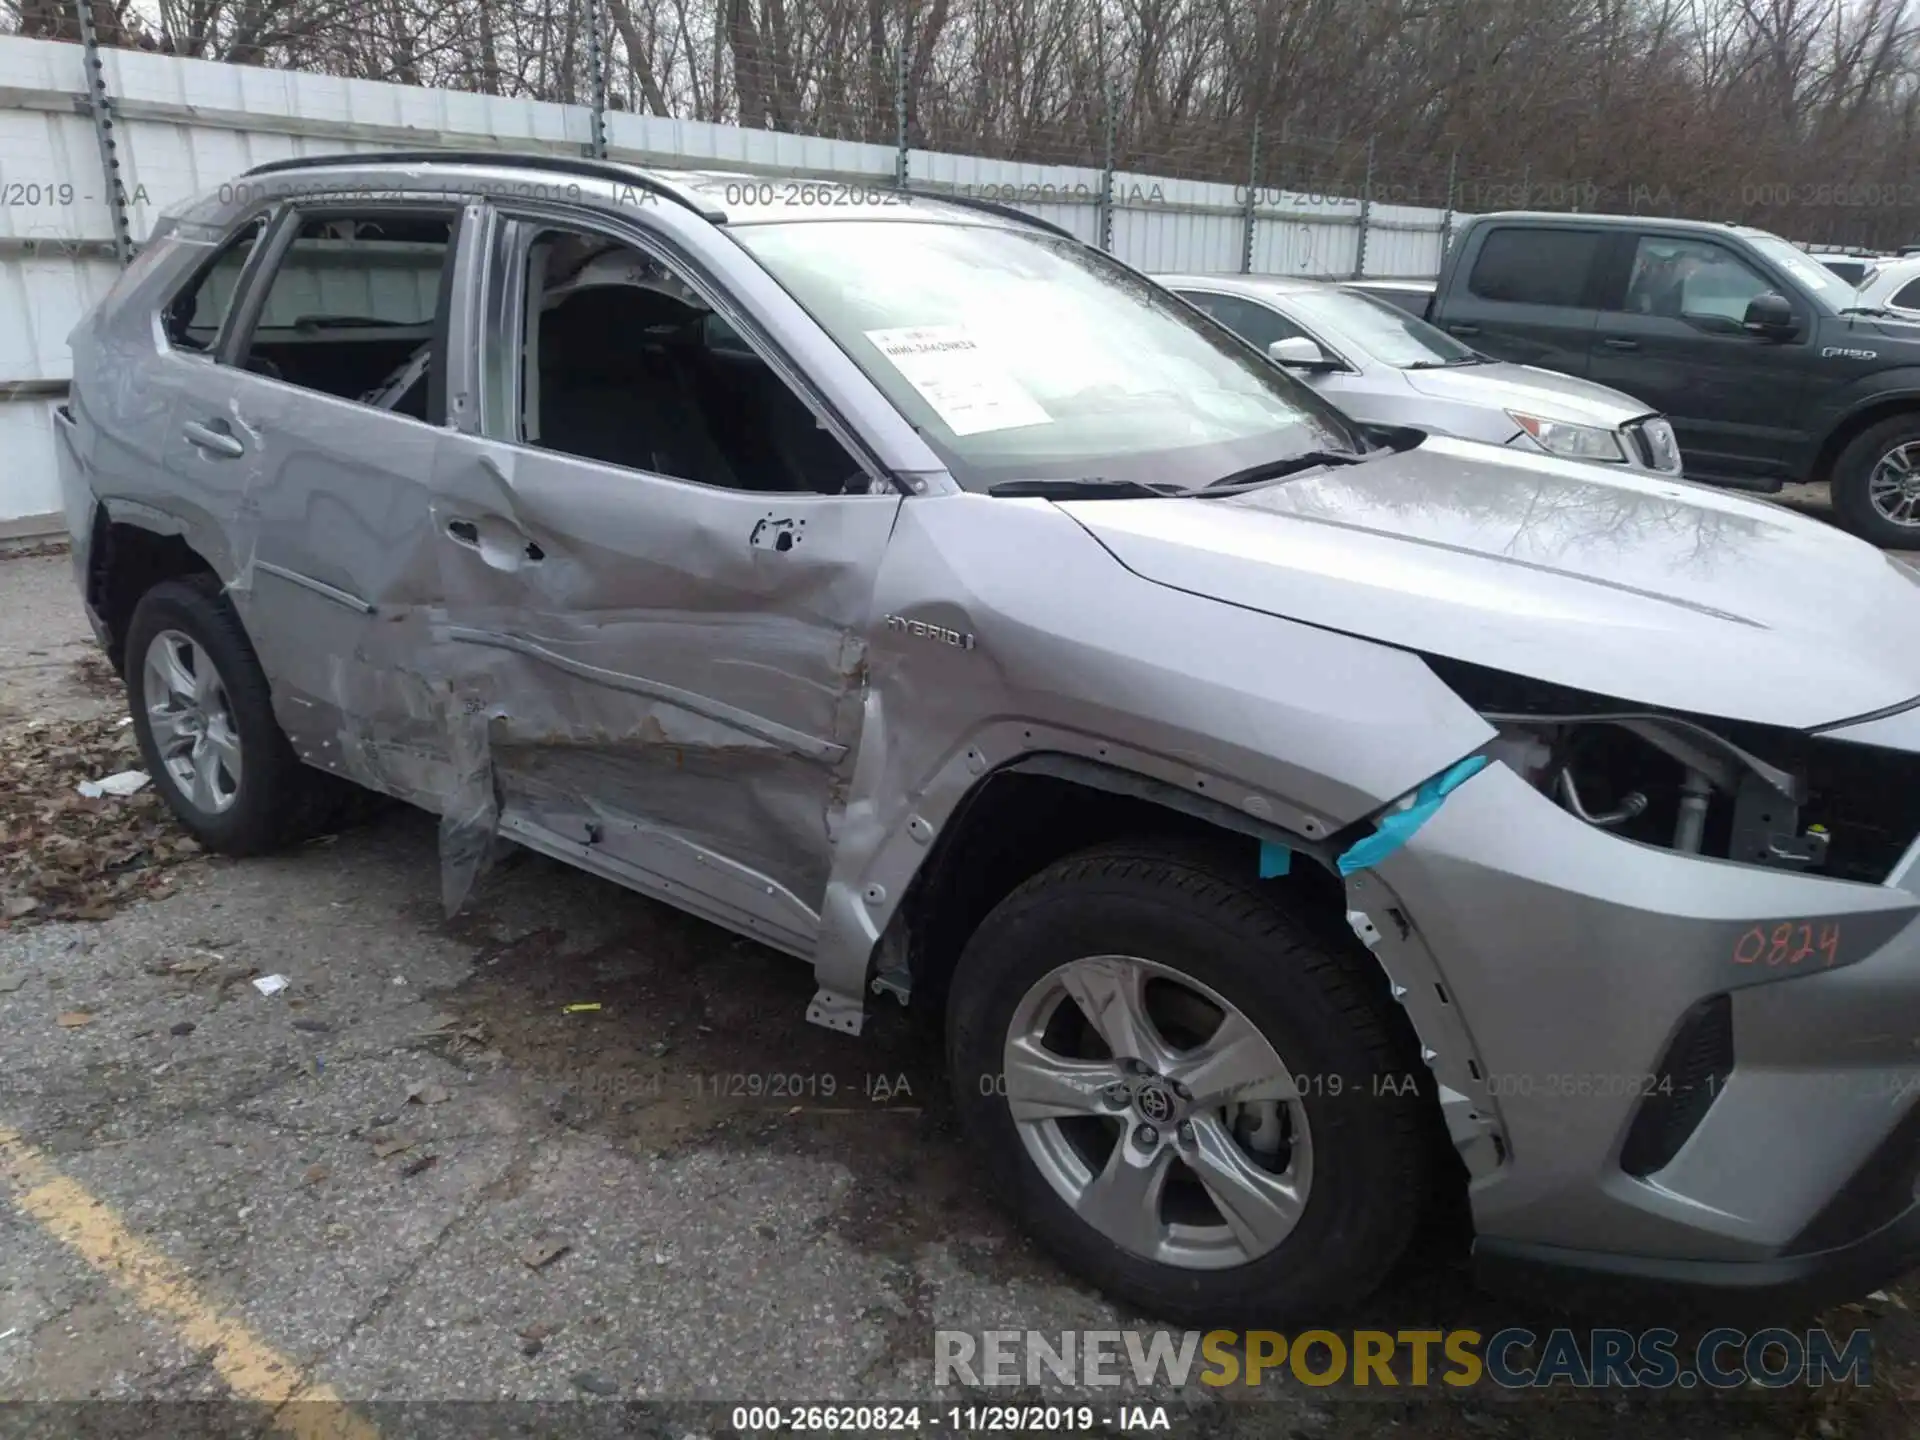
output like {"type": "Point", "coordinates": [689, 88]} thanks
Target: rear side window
{"type": "Point", "coordinates": [195, 315]}
{"type": "Point", "coordinates": [1534, 267]}
{"type": "Point", "coordinates": [1908, 296]}
{"type": "Point", "coordinates": [352, 309]}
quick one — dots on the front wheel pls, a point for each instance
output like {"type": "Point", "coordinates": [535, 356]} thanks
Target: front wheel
{"type": "Point", "coordinates": [1194, 1104]}
{"type": "Point", "coordinates": [1876, 484]}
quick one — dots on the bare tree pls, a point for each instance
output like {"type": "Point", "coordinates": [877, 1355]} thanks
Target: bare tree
{"type": "Point", "coordinates": [1802, 115]}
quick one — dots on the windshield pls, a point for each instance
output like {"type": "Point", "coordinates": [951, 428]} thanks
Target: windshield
{"type": "Point", "coordinates": [1022, 355]}
{"type": "Point", "coordinates": [1384, 332]}
{"type": "Point", "coordinates": [1807, 270]}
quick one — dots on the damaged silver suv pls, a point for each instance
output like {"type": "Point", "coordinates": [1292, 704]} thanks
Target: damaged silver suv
{"type": "Point", "coordinates": [1293, 823]}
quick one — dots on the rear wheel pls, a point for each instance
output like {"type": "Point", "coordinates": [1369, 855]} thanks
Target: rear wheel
{"type": "Point", "coordinates": [1876, 484]}
{"type": "Point", "coordinates": [203, 716]}
{"type": "Point", "coordinates": [1194, 1104]}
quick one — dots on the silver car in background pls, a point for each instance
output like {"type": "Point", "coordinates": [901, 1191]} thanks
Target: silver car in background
{"type": "Point", "coordinates": [1384, 366]}
{"type": "Point", "coordinates": [1893, 287]}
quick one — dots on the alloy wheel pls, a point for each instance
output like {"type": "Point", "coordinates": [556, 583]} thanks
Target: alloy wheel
{"type": "Point", "coordinates": [1158, 1112]}
{"type": "Point", "coordinates": [1894, 485]}
{"type": "Point", "coordinates": [190, 719]}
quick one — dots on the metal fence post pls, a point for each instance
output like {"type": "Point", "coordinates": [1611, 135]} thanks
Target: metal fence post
{"type": "Point", "coordinates": [1253, 186]}
{"type": "Point", "coordinates": [1366, 215]}
{"type": "Point", "coordinates": [1446, 218]}
{"type": "Point", "coordinates": [100, 104]}
{"type": "Point", "coordinates": [597, 79]}
{"type": "Point", "coordinates": [1106, 179]}
{"type": "Point", "coordinates": [900, 113]}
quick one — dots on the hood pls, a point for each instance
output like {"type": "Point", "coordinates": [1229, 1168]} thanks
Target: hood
{"type": "Point", "coordinates": [1526, 388]}
{"type": "Point", "coordinates": [1655, 591]}
{"type": "Point", "coordinates": [1902, 329]}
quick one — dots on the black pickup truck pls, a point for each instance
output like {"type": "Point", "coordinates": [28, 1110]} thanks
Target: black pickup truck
{"type": "Point", "coordinates": [1761, 357]}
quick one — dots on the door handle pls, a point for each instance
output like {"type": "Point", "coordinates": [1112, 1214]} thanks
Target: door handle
{"type": "Point", "coordinates": [1463, 329]}
{"type": "Point", "coordinates": [1620, 342]}
{"type": "Point", "coordinates": [467, 532]}
{"type": "Point", "coordinates": [214, 438]}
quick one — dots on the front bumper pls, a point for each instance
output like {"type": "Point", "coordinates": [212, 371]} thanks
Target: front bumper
{"type": "Point", "coordinates": [1789, 1285]}
{"type": "Point", "coordinates": [1571, 961]}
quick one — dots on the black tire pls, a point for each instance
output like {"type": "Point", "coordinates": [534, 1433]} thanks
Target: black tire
{"type": "Point", "coordinates": [1854, 469]}
{"type": "Point", "coordinates": [279, 800]}
{"type": "Point", "coordinates": [1315, 1002]}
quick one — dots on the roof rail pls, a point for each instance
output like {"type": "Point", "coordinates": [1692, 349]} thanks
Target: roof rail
{"type": "Point", "coordinates": [994, 207]}
{"type": "Point", "coordinates": [560, 164]}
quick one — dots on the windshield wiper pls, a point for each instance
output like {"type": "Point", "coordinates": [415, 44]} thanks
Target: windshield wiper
{"type": "Point", "coordinates": [1282, 469]}
{"type": "Point", "coordinates": [1082, 487]}
{"type": "Point", "coordinates": [1099, 487]}
{"type": "Point", "coordinates": [1871, 310]}
{"type": "Point", "coordinates": [1448, 364]}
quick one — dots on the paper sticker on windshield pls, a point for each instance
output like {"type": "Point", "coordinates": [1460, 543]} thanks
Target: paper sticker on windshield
{"type": "Point", "coordinates": [958, 379]}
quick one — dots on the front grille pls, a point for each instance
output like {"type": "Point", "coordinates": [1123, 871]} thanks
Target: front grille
{"type": "Point", "coordinates": [1654, 443]}
{"type": "Point", "coordinates": [1691, 1076]}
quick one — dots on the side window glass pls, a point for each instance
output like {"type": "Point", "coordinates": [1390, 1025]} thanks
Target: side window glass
{"type": "Point", "coordinates": [626, 364]}
{"type": "Point", "coordinates": [1246, 318]}
{"type": "Point", "coordinates": [352, 309]}
{"type": "Point", "coordinates": [1534, 266]}
{"type": "Point", "coordinates": [1908, 296]}
{"type": "Point", "coordinates": [722, 337]}
{"type": "Point", "coordinates": [194, 316]}
{"type": "Point", "coordinates": [1696, 281]}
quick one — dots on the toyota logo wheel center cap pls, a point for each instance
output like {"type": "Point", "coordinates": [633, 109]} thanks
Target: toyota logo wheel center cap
{"type": "Point", "coordinates": [1154, 1102]}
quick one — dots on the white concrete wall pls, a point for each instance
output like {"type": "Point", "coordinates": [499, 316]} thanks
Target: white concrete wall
{"type": "Point", "coordinates": [188, 125]}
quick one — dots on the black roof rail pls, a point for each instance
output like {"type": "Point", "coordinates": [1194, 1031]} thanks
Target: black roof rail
{"type": "Point", "coordinates": [994, 207]}
{"type": "Point", "coordinates": [559, 164]}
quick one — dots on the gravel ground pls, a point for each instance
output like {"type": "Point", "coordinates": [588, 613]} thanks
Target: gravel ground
{"type": "Point", "coordinates": [370, 1169]}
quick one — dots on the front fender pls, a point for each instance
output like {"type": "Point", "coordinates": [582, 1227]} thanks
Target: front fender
{"type": "Point", "coordinates": [1842, 408]}
{"type": "Point", "coordinates": [1003, 630]}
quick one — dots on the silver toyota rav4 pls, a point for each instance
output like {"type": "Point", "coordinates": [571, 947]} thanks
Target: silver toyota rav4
{"type": "Point", "coordinates": [1291, 823]}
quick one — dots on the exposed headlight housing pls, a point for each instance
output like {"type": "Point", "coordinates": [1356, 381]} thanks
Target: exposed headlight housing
{"type": "Point", "coordinates": [1731, 790]}
{"type": "Point", "coordinates": [1571, 442]}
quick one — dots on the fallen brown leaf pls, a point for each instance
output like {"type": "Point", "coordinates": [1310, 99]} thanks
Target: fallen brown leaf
{"type": "Point", "coordinates": [63, 856]}
{"type": "Point", "coordinates": [74, 1019]}
{"type": "Point", "coordinates": [543, 1253]}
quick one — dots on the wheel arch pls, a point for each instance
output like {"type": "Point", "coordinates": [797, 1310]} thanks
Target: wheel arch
{"type": "Point", "coordinates": [1039, 807]}
{"type": "Point", "coordinates": [1855, 422]}
{"type": "Point", "coordinates": [131, 550]}
{"type": "Point", "coordinates": [1021, 816]}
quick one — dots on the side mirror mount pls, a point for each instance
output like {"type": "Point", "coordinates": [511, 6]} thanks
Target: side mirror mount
{"type": "Point", "coordinates": [1770, 315]}
{"type": "Point", "coordinates": [1297, 352]}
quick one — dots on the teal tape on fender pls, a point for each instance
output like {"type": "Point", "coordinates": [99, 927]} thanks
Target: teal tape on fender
{"type": "Point", "coordinates": [1394, 829]}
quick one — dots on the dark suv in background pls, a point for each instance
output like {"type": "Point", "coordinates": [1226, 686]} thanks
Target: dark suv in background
{"type": "Point", "coordinates": [1768, 365]}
